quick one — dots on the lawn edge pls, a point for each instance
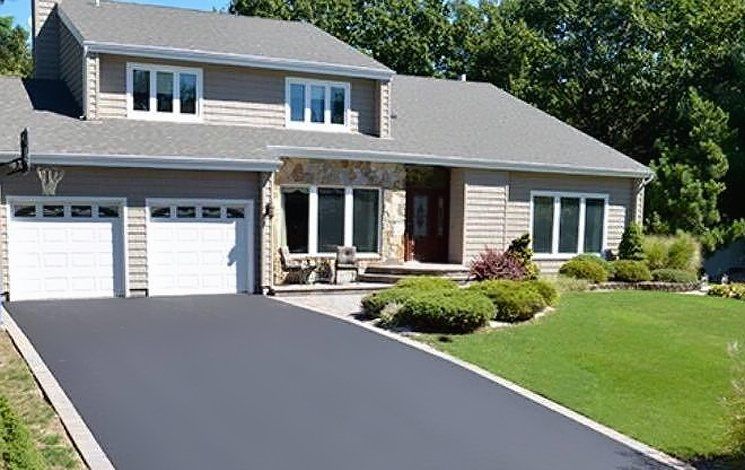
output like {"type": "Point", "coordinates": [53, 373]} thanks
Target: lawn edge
{"type": "Point", "coordinates": [611, 433]}
{"type": "Point", "coordinates": [81, 436]}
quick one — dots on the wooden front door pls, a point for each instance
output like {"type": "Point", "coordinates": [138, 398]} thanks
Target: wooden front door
{"type": "Point", "coordinates": [427, 212]}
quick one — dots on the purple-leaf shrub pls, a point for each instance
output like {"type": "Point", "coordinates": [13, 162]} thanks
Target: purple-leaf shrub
{"type": "Point", "coordinates": [493, 264]}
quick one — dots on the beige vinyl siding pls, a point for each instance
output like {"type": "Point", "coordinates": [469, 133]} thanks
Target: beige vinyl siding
{"type": "Point", "coordinates": [136, 185]}
{"type": "Point", "coordinates": [456, 228]}
{"type": "Point", "coordinates": [235, 95]}
{"type": "Point", "coordinates": [71, 63]}
{"type": "Point", "coordinates": [484, 210]}
{"type": "Point", "coordinates": [621, 198]}
{"type": "Point", "coordinates": [46, 39]}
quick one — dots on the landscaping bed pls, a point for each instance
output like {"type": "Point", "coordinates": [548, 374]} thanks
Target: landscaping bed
{"type": "Point", "coordinates": [648, 285]}
{"type": "Point", "coordinates": [652, 365]}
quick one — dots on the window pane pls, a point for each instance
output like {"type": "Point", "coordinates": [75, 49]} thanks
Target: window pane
{"type": "Point", "coordinates": [160, 212]}
{"type": "Point", "coordinates": [106, 212]}
{"type": "Point", "coordinates": [235, 213]}
{"type": "Point", "coordinates": [141, 90]}
{"type": "Point", "coordinates": [594, 213]}
{"type": "Point", "coordinates": [24, 211]}
{"type": "Point", "coordinates": [53, 211]}
{"type": "Point", "coordinates": [297, 102]}
{"type": "Point", "coordinates": [210, 212]}
{"type": "Point", "coordinates": [165, 91]}
{"type": "Point", "coordinates": [569, 225]}
{"type": "Point", "coordinates": [317, 104]}
{"type": "Point", "coordinates": [295, 211]}
{"type": "Point", "coordinates": [543, 224]}
{"type": "Point", "coordinates": [188, 93]}
{"type": "Point", "coordinates": [186, 212]}
{"type": "Point", "coordinates": [81, 211]}
{"type": "Point", "coordinates": [365, 236]}
{"type": "Point", "coordinates": [330, 219]}
{"type": "Point", "coordinates": [337, 105]}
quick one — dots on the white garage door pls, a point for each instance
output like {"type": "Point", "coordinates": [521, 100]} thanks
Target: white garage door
{"type": "Point", "coordinates": [65, 248]}
{"type": "Point", "coordinates": [199, 247]}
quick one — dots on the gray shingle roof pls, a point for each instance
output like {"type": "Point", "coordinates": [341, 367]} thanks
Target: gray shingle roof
{"type": "Point", "coordinates": [436, 122]}
{"type": "Point", "coordinates": [209, 32]}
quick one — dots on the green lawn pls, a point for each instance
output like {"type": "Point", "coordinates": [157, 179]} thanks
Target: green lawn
{"type": "Point", "coordinates": [651, 365]}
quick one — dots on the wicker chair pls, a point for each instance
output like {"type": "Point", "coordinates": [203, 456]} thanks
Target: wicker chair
{"type": "Point", "coordinates": [298, 271]}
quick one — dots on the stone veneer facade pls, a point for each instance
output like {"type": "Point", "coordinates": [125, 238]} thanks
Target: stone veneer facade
{"type": "Point", "coordinates": [390, 177]}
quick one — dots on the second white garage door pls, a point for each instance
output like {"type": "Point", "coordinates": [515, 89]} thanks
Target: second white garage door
{"type": "Point", "coordinates": [199, 247]}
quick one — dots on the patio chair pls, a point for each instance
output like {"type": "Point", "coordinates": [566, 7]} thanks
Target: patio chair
{"type": "Point", "coordinates": [298, 271]}
{"type": "Point", "coordinates": [346, 268]}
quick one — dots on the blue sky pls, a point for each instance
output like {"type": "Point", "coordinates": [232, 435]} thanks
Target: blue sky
{"type": "Point", "coordinates": [20, 10]}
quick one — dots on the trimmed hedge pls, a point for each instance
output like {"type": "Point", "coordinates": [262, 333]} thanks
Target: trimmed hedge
{"type": "Point", "coordinates": [373, 304]}
{"type": "Point", "coordinates": [584, 269]}
{"type": "Point", "coordinates": [547, 290]}
{"type": "Point", "coordinates": [17, 450]}
{"type": "Point", "coordinates": [515, 301]}
{"type": "Point", "coordinates": [674, 275]}
{"type": "Point", "coordinates": [605, 264]}
{"type": "Point", "coordinates": [446, 311]}
{"type": "Point", "coordinates": [731, 291]}
{"type": "Point", "coordinates": [631, 271]}
{"type": "Point", "coordinates": [427, 283]}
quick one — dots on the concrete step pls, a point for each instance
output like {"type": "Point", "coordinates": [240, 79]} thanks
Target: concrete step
{"type": "Point", "coordinates": [393, 278]}
{"type": "Point", "coordinates": [418, 270]}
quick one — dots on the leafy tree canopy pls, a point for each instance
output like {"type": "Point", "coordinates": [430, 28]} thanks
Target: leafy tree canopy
{"type": "Point", "coordinates": [15, 57]}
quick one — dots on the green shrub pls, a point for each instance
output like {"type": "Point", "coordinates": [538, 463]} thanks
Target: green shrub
{"type": "Point", "coordinates": [570, 284]}
{"type": "Point", "coordinates": [18, 450]}
{"type": "Point", "coordinates": [426, 283]}
{"type": "Point", "coordinates": [732, 291]}
{"type": "Point", "coordinates": [605, 264]}
{"type": "Point", "coordinates": [631, 271]}
{"type": "Point", "coordinates": [446, 311]}
{"type": "Point", "coordinates": [514, 300]}
{"type": "Point", "coordinates": [584, 269]}
{"type": "Point", "coordinates": [520, 249]}
{"type": "Point", "coordinates": [546, 290]}
{"type": "Point", "coordinates": [373, 304]}
{"type": "Point", "coordinates": [680, 251]}
{"type": "Point", "coordinates": [631, 243]}
{"type": "Point", "coordinates": [673, 275]}
{"type": "Point", "coordinates": [655, 251]}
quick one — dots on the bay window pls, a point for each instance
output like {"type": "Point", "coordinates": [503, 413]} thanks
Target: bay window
{"type": "Point", "coordinates": [163, 92]}
{"type": "Point", "coordinates": [316, 220]}
{"type": "Point", "coordinates": [566, 224]}
{"type": "Point", "coordinates": [315, 104]}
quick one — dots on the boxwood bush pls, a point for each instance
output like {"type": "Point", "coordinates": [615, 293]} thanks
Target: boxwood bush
{"type": "Point", "coordinates": [673, 275]}
{"type": "Point", "coordinates": [584, 269]}
{"type": "Point", "coordinates": [513, 300]}
{"type": "Point", "coordinates": [373, 304]}
{"type": "Point", "coordinates": [427, 283]}
{"type": "Point", "coordinates": [605, 264]}
{"type": "Point", "coordinates": [547, 290]}
{"type": "Point", "coordinates": [17, 450]}
{"type": "Point", "coordinates": [631, 271]}
{"type": "Point", "coordinates": [446, 311]}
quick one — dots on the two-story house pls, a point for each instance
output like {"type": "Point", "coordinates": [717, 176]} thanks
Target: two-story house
{"type": "Point", "coordinates": [196, 145]}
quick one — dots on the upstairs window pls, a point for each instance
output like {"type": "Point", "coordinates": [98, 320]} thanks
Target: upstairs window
{"type": "Point", "coordinates": [566, 224]}
{"type": "Point", "coordinates": [320, 105]}
{"type": "Point", "coordinates": [164, 92]}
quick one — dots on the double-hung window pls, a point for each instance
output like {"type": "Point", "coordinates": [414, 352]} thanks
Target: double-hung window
{"type": "Point", "coordinates": [164, 92]}
{"type": "Point", "coordinates": [566, 224]}
{"type": "Point", "coordinates": [318, 219]}
{"type": "Point", "coordinates": [314, 104]}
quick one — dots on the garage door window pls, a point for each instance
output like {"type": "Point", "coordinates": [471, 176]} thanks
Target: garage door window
{"type": "Point", "coordinates": [211, 212]}
{"type": "Point", "coordinates": [184, 212]}
{"type": "Point", "coordinates": [53, 211]}
{"type": "Point", "coordinates": [236, 213]}
{"type": "Point", "coordinates": [81, 211]}
{"type": "Point", "coordinates": [108, 212]}
{"type": "Point", "coordinates": [24, 211]}
{"type": "Point", "coordinates": [160, 212]}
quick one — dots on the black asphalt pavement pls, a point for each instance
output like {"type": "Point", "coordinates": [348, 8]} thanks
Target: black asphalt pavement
{"type": "Point", "coordinates": [248, 382]}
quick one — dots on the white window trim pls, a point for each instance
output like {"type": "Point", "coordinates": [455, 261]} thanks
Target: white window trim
{"type": "Point", "coordinates": [348, 219]}
{"type": "Point", "coordinates": [557, 195]}
{"type": "Point", "coordinates": [153, 113]}
{"type": "Point", "coordinates": [318, 126]}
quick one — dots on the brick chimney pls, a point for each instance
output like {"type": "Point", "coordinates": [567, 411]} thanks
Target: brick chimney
{"type": "Point", "coordinates": [45, 39]}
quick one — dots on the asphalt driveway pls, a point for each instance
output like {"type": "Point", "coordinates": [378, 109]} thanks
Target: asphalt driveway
{"type": "Point", "coordinates": [249, 382]}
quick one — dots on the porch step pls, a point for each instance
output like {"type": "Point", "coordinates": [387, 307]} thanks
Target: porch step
{"type": "Point", "coordinates": [393, 278]}
{"type": "Point", "coordinates": [391, 273]}
{"type": "Point", "coordinates": [360, 287]}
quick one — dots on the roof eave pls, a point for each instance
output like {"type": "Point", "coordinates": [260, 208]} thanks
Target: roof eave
{"type": "Point", "coordinates": [451, 161]}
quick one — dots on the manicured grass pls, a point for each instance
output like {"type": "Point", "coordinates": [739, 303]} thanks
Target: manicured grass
{"type": "Point", "coordinates": [651, 365]}
{"type": "Point", "coordinates": [28, 403]}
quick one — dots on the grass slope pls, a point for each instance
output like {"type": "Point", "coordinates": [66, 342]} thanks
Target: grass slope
{"type": "Point", "coordinates": [651, 365]}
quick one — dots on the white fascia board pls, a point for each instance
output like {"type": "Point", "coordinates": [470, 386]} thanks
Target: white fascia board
{"type": "Point", "coordinates": [450, 161]}
{"type": "Point", "coordinates": [241, 60]}
{"type": "Point", "coordinates": [161, 162]}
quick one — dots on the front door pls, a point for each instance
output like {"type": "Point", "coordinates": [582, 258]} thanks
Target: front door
{"type": "Point", "coordinates": [427, 203]}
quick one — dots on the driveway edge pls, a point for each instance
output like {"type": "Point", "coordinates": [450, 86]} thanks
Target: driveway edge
{"type": "Point", "coordinates": [82, 437]}
{"type": "Point", "coordinates": [611, 433]}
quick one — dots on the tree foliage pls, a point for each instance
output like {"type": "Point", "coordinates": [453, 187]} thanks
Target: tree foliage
{"type": "Point", "coordinates": [15, 57]}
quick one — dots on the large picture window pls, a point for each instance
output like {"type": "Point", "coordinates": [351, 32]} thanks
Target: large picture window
{"type": "Point", "coordinates": [316, 220]}
{"type": "Point", "coordinates": [568, 223]}
{"type": "Point", "coordinates": [315, 104]}
{"type": "Point", "coordinates": [163, 92]}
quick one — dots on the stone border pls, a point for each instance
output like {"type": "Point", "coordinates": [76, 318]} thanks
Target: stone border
{"type": "Point", "coordinates": [82, 438]}
{"type": "Point", "coordinates": [638, 446]}
{"type": "Point", "coordinates": [648, 285]}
